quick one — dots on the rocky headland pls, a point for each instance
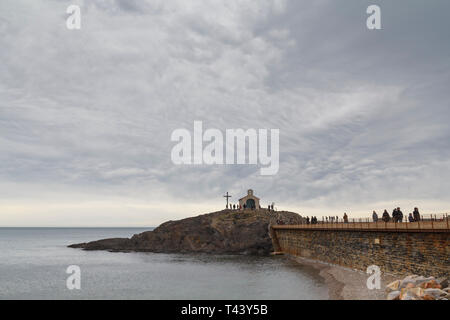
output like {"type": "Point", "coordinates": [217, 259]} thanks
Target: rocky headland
{"type": "Point", "coordinates": [222, 232]}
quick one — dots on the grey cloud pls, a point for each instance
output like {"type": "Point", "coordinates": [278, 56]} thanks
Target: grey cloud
{"type": "Point", "coordinates": [363, 114]}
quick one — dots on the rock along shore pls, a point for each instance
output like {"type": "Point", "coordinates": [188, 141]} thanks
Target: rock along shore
{"type": "Point", "coordinates": [222, 232]}
{"type": "Point", "coordinates": [415, 287]}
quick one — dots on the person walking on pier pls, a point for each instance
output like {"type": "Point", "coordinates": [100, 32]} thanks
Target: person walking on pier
{"type": "Point", "coordinates": [375, 217]}
{"type": "Point", "coordinates": [410, 218]}
{"type": "Point", "coordinates": [394, 215]}
{"type": "Point", "coordinates": [416, 214]}
{"type": "Point", "coordinates": [345, 217]}
{"type": "Point", "coordinates": [385, 217]}
{"type": "Point", "coordinates": [399, 215]}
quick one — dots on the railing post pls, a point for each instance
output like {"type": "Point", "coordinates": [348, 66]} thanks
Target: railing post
{"type": "Point", "coordinates": [432, 222]}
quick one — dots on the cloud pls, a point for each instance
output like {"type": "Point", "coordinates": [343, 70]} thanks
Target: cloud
{"type": "Point", "coordinates": [363, 115]}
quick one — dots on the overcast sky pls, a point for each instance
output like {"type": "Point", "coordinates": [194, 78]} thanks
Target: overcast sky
{"type": "Point", "coordinates": [86, 115]}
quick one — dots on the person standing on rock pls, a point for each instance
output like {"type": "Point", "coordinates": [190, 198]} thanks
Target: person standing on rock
{"type": "Point", "coordinates": [374, 216]}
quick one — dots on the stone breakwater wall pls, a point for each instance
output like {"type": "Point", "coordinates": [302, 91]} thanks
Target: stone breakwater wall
{"type": "Point", "coordinates": [414, 252]}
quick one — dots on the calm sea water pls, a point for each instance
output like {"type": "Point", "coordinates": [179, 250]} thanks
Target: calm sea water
{"type": "Point", "coordinates": [33, 264]}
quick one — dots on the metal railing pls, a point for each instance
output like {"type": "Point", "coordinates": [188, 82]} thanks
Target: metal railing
{"type": "Point", "coordinates": [438, 222]}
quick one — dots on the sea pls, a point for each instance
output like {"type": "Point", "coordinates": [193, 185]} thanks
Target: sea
{"type": "Point", "coordinates": [34, 264]}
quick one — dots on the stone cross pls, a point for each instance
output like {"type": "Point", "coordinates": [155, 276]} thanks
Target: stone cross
{"type": "Point", "coordinates": [227, 196]}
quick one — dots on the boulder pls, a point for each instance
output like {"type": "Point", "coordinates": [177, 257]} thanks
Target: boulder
{"type": "Point", "coordinates": [410, 285]}
{"type": "Point", "coordinates": [414, 287]}
{"type": "Point", "coordinates": [431, 285]}
{"type": "Point", "coordinates": [411, 293]}
{"type": "Point", "coordinates": [436, 293]}
{"type": "Point", "coordinates": [393, 286]}
{"type": "Point", "coordinates": [407, 294]}
{"type": "Point", "coordinates": [421, 279]}
{"type": "Point", "coordinates": [443, 282]}
{"type": "Point", "coordinates": [407, 282]}
{"type": "Point", "coordinates": [417, 291]}
{"type": "Point", "coordinates": [394, 295]}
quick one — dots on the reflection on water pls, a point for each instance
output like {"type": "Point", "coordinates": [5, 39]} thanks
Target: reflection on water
{"type": "Point", "coordinates": [33, 263]}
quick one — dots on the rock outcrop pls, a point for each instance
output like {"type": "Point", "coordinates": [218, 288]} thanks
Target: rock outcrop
{"type": "Point", "coordinates": [415, 287]}
{"type": "Point", "coordinates": [227, 231]}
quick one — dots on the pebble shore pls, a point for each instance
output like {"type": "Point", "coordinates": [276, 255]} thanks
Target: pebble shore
{"type": "Point", "coordinates": [350, 284]}
{"type": "Point", "coordinates": [345, 283]}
